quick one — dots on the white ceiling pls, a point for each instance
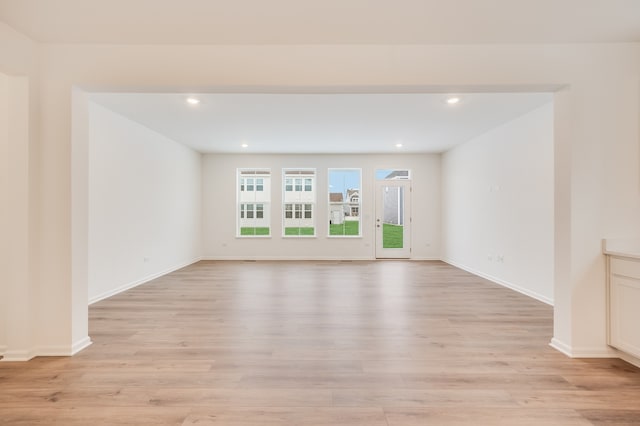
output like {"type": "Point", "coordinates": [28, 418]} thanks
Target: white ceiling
{"type": "Point", "coordinates": [324, 21]}
{"type": "Point", "coordinates": [321, 123]}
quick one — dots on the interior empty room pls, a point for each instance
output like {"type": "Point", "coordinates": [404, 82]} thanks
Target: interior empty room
{"type": "Point", "coordinates": [305, 214]}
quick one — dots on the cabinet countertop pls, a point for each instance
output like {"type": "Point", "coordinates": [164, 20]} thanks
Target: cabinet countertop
{"type": "Point", "coordinates": [622, 247]}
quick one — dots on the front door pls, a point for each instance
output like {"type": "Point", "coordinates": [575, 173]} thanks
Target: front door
{"type": "Point", "coordinates": [393, 219]}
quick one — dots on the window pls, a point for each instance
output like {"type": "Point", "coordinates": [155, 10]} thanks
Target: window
{"type": "Point", "coordinates": [251, 211]}
{"type": "Point", "coordinates": [251, 184]}
{"type": "Point", "coordinates": [299, 200]}
{"type": "Point", "coordinates": [254, 198]}
{"type": "Point", "coordinates": [344, 202]}
{"type": "Point", "coordinates": [393, 174]}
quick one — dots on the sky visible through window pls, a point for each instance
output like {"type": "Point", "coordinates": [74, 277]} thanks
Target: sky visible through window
{"type": "Point", "coordinates": [341, 180]}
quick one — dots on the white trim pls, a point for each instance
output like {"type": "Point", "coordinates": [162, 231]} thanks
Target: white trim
{"type": "Point", "coordinates": [54, 351]}
{"type": "Point", "coordinates": [284, 258]}
{"type": "Point", "coordinates": [629, 358]}
{"type": "Point", "coordinates": [320, 258]}
{"type": "Point", "coordinates": [80, 345]}
{"type": "Point", "coordinates": [3, 349]}
{"type": "Point", "coordinates": [585, 352]}
{"type": "Point", "coordinates": [22, 356]}
{"type": "Point", "coordinates": [63, 350]}
{"type": "Point", "coordinates": [140, 281]}
{"type": "Point", "coordinates": [594, 352]}
{"type": "Point", "coordinates": [503, 283]}
{"type": "Point", "coordinates": [561, 347]}
{"type": "Point", "coordinates": [17, 356]}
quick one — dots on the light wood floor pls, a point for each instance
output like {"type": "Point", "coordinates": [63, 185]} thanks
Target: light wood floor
{"type": "Point", "coordinates": [389, 343]}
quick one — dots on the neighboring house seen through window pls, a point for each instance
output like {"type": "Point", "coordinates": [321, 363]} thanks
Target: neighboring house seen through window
{"type": "Point", "coordinates": [344, 202]}
{"type": "Point", "coordinates": [299, 200]}
{"type": "Point", "coordinates": [254, 200]}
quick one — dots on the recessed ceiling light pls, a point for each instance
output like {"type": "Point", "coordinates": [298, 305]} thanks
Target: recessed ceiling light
{"type": "Point", "coordinates": [193, 101]}
{"type": "Point", "coordinates": [453, 100]}
{"type": "Point", "coordinates": [244, 145]}
{"type": "Point", "coordinates": [398, 145]}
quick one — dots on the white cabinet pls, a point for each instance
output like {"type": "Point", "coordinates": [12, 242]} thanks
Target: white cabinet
{"type": "Point", "coordinates": [624, 304]}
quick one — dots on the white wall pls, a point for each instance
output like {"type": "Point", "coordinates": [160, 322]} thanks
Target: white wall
{"type": "Point", "coordinates": [19, 64]}
{"type": "Point", "coordinates": [144, 204]}
{"type": "Point", "coordinates": [4, 206]}
{"type": "Point", "coordinates": [497, 204]}
{"type": "Point", "coordinates": [219, 195]}
{"type": "Point", "coordinates": [16, 291]}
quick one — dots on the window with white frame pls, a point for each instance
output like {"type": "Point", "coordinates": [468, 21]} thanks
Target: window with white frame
{"type": "Point", "coordinates": [344, 202]}
{"type": "Point", "coordinates": [393, 174]}
{"type": "Point", "coordinates": [254, 201]}
{"type": "Point", "coordinates": [299, 202]}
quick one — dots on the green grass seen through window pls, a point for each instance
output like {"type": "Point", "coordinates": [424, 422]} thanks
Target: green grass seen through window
{"type": "Point", "coordinates": [299, 231]}
{"type": "Point", "coordinates": [348, 227]}
{"type": "Point", "coordinates": [254, 231]}
{"type": "Point", "coordinates": [392, 236]}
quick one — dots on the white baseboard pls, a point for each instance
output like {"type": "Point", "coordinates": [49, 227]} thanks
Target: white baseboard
{"type": "Point", "coordinates": [561, 347]}
{"type": "Point", "coordinates": [594, 352]}
{"type": "Point", "coordinates": [284, 258]}
{"type": "Point", "coordinates": [17, 356]}
{"type": "Point", "coordinates": [80, 345]}
{"type": "Point", "coordinates": [64, 350]}
{"type": "Point", "coordinates": [53, 350]}
{"type": "Point", "coordinates": [136, 283]}
{"type": "Point", "coordinates": [503, 283]}
{"type": "Point", "coordinates": [310, 258]}
{"type": "Point", "coordinates": [584, 352]}
{"type": "Point", "coordinates": [629, 358]}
